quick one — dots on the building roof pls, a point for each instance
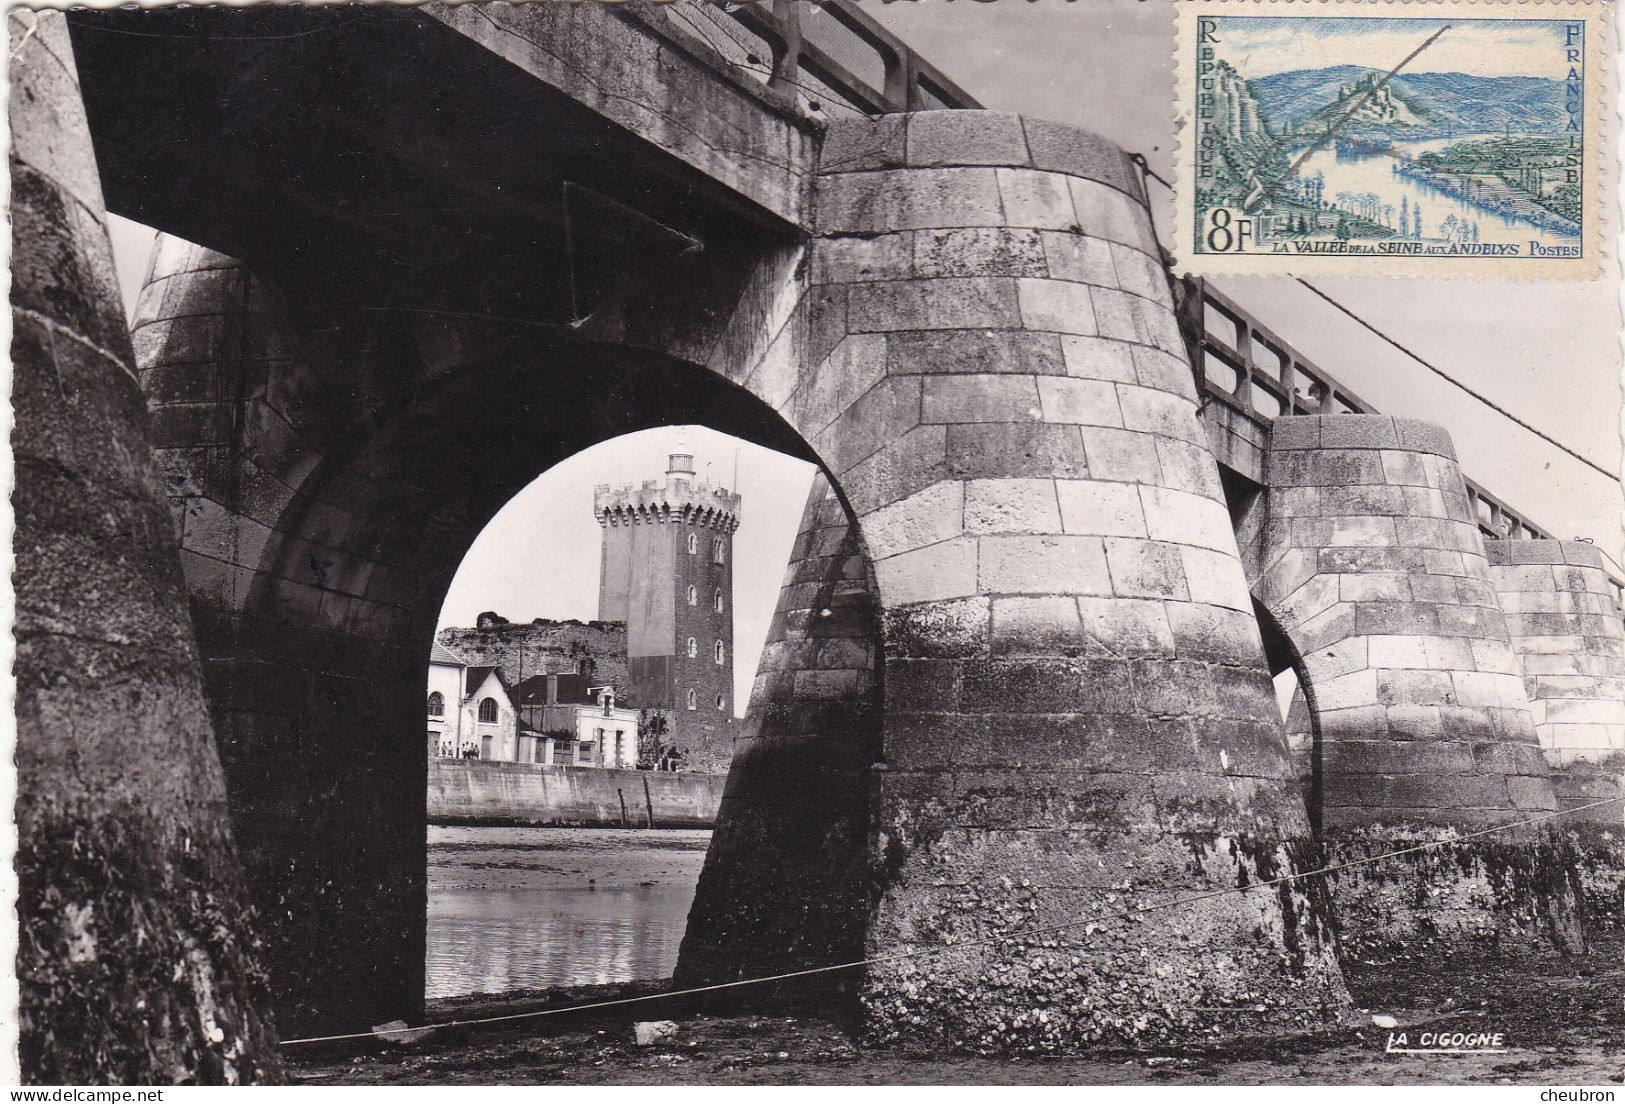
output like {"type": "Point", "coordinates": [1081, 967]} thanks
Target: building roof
{"type": "Point", "coordinates": [557, 720]}
{"type": "Point", "coordinates": [477, 677]}
{"type": "Point", "coordinates": [572, 690]}
{"type": "Point", "coordinates": [439, 653]}
{"type": "Point", "coordinates": [534, 717]}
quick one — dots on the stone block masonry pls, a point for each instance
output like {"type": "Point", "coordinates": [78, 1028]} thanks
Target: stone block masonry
{"type": "Point", "coordinates": [305, 642]}
{"type": "Point", "coordinates": [137, 960]}
{"type": "Point", "coordinates": [1371, 562]}
{"type": "Point", "coordinates": [1564, 622]}
{"type": "Point", "coordinates": [1076, 711]}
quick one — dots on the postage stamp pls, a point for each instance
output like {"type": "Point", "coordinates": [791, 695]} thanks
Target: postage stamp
{"type": "Point", "coordinates": [1428, 138]}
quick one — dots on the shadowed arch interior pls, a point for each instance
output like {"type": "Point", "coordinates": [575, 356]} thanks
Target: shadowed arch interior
{"type": "Point", "coordinates": [316, 677]}
{"type": "Point", "coordinates": [1283, 655]}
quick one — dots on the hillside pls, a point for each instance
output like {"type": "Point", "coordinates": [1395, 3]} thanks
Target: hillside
{"type": "Point", "coordinates": [1434, 103]}
{"type": "Point", "coordinates": [544, 647]}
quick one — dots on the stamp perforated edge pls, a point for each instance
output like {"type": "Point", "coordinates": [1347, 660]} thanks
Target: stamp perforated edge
{"type": "Point", "coordinates": [1597, 190]}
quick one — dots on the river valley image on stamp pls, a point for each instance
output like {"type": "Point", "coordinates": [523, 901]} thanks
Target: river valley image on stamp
{"type": "Point", "coordinates": [1440, 137]}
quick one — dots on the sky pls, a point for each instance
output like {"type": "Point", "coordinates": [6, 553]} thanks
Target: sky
{"type": "Point", "coordinates": [1549, 352]}
{"type": "Point", "coordinates": [539, 556]}
{"type": "Point", "coordinates": [1260, 47]}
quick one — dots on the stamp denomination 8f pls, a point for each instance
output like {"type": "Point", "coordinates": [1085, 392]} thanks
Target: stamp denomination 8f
{"type": "Point", "coordinates": [1422, 138]}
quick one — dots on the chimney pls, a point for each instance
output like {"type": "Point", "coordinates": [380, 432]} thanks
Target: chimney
{"type": "Point", "coordinates": [680, 466]}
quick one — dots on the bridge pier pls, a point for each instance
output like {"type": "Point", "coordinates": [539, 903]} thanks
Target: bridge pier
{"type": "Point", "coordinates": [1565, 628]}
{"type": "Point", "coordinates": [1372, 564]}
{"type": "Point", "coordinates": [1077, 718]}
{"type": "Point", "coordinates": [787, 880]}
{"type": "Point", "coordinates": [311, 660]}
{"type": "Point", "coordinates": [137, 960]}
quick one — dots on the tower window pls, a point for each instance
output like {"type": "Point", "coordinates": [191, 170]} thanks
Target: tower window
{"type": "Point", "coordinates": [721, 702]}
{"type": "Point", "coordinates": [717, 555]}
{"type": "Point", "coordinates": [693, 596]}
{"type": "Point", "coordinates": [437, 704]}
{"type": "Point", "coordinates": [488, 711]}
{"type": "Point", "coordinates": [693, 700]}
{"type": "Point", "coordinates": [716, 601]}
{"type": "Point", "coordinates": [693, 544]}
{"type": "Point", "coordinates": [693, 649]}
{"type": "Point", "coordinates": [721, 652]}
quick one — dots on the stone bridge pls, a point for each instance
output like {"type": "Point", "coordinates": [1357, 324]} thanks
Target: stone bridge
{"type": "Point", "coordinates": [1066, 527]}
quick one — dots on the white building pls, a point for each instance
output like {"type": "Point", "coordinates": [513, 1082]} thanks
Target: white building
{"type": "Point", "coordinates": [564, 722]}
{"type": "Point", "coordinates": [561, 721]}
{"type": "Point", "coordinates": [469, 710]}
{"type": "Point", "coordinates": [606, 736]}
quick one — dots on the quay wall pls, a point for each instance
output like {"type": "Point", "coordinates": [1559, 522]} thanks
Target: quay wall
{"type": "Point", "coordinates": [485, 793]}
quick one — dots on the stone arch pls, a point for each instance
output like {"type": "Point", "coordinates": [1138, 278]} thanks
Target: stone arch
{"type": "Point", "coordinates": [316, 553]}
{"type": "Point", "coordinates": [978, 346]}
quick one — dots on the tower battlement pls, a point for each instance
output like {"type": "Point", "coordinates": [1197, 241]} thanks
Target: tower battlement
{"type": "Point", "coordinates": [675, 499]}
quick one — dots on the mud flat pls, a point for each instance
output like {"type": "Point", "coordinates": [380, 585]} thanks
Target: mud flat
{"type": "Point", "coordinates": [1562, 1017]}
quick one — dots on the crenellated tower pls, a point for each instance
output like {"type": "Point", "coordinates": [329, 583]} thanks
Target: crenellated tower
{"type": "Point", "coordinates": [667, 571]}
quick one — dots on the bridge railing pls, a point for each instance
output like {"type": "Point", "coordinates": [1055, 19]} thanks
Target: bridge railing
{"type": "Point", "coordinates": [846, 52]}
{"type": "Point", "coordinates": [1248, 367]}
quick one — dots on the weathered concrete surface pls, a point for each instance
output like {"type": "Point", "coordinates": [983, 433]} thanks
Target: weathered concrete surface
{"type": "Point", "coordinates": [629, 106]}
{"type": "Point", "coordinates": [1240, 440]}
{"type": "Point", "coordinates": [136, 960]}
{"type": "Point", "coordinates": [1371, 562]}
{"type": "Point", "coordinates": [644, 69]}
{"type": "Point", "coordinates": [1567, 632]}
{"type": "Point", "coordinates": [787, 880]}
{"type": "Point", "coordinates": [1076, 708]}
{"type": "Point", "coordinates": [468, 791]}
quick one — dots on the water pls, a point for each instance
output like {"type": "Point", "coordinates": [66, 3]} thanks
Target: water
{"type": "Point", "coordinates": [529, 908]}
{"type": "Point", "coordinates": [1372, 172]}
